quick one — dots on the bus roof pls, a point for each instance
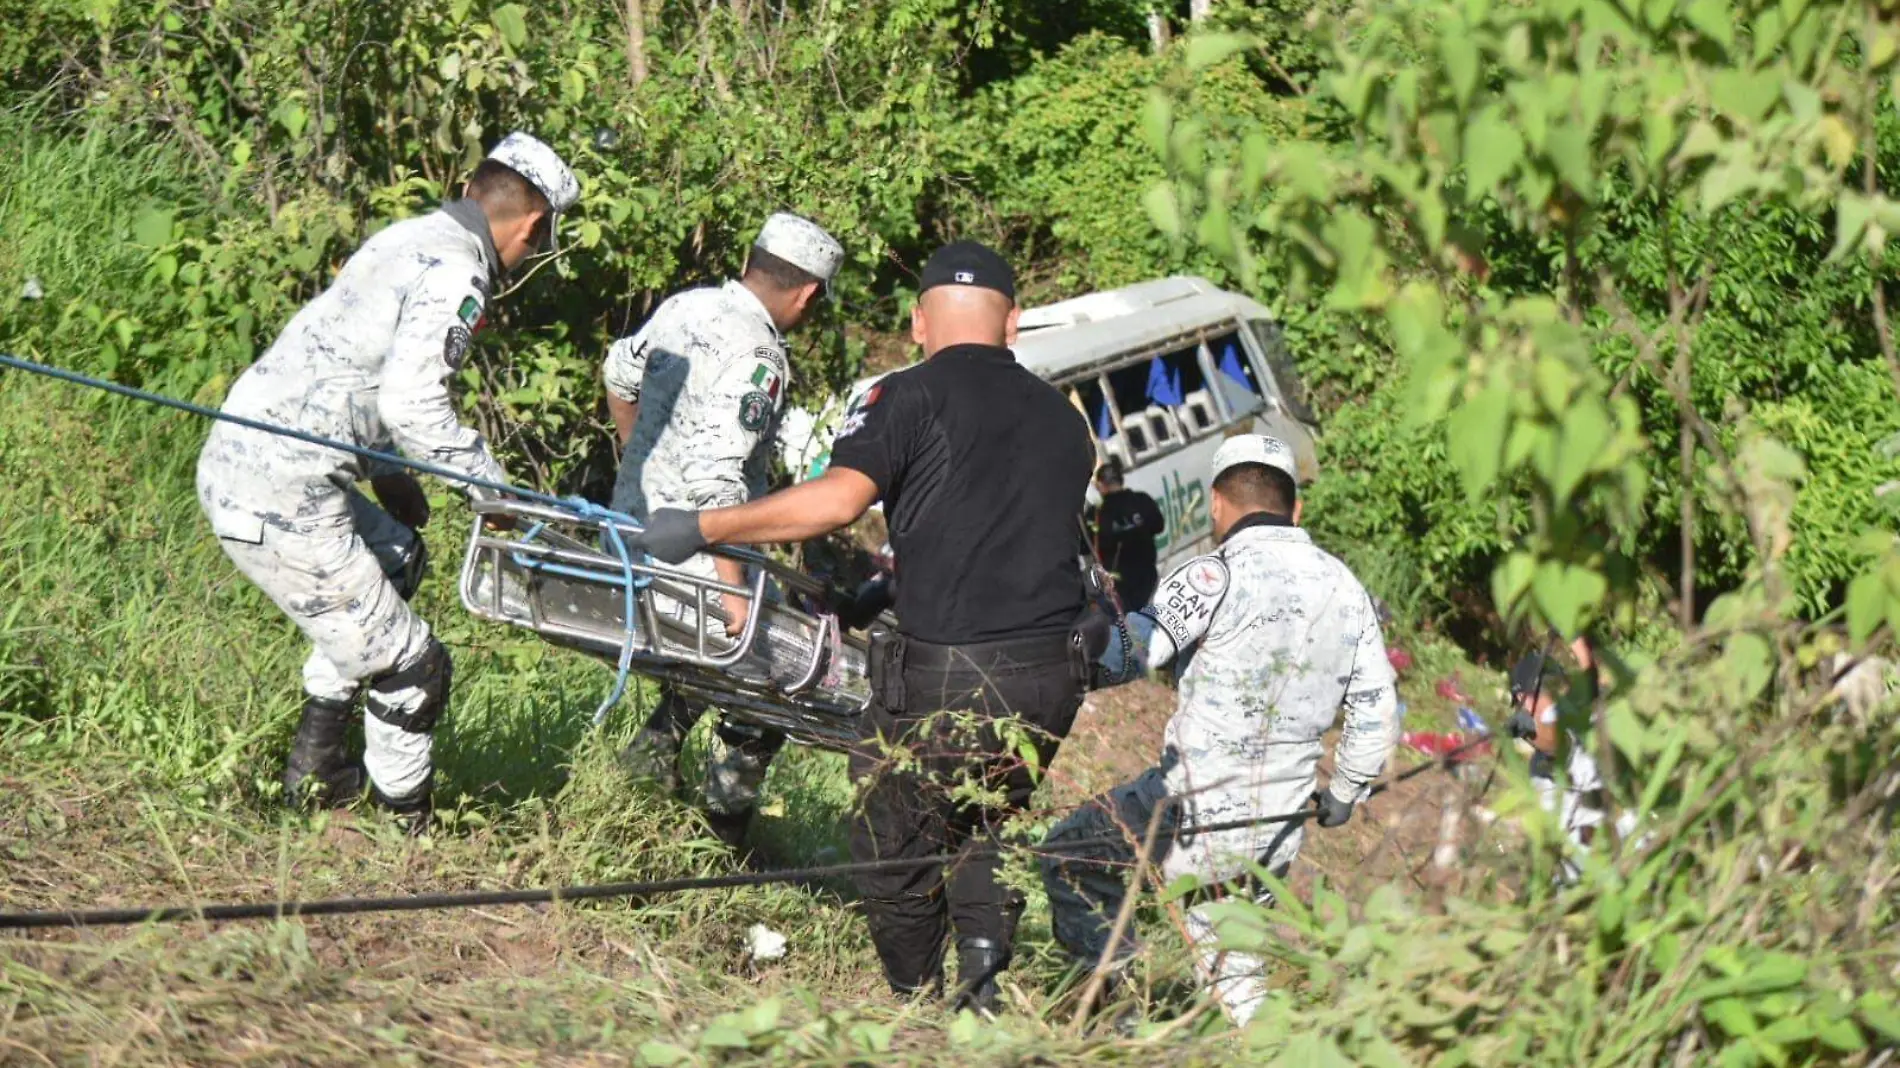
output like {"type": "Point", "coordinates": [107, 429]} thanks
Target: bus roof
{"type": "Point", "coordinates": [1069, 335]}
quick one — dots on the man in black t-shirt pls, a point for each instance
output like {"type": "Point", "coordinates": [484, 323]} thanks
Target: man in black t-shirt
{"type": "Point", "coordinates": [1126, 526]}
{"type": "Point", "coordinates": [982, 468]}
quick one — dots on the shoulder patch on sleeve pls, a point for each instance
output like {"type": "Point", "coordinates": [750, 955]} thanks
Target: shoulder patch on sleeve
{"type": "Point", "coordinates": [1207, 576]}
{"type": "Point", "coordinates": [1185, 602]}
{"type": "Point", "coordinates": [755, 410]}
{"type": "Point", "coordinates": [470, 313]}
{"type": "Point", "coordinates": [766, 379]}
{"type": "Point", "coordinates": [455, 347]}
{"type": "Point", "coordinates": [854, 415]}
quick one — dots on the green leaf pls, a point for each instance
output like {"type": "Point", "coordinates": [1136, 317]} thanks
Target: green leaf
{"type": "Point", "coordinates": [662, 1054]}
{"type": "Point", "coordinates": [1789, 1030]}
{"type": "Point", "coordinates": [1157, 122]}
{"type": "Point", "coordinates": [1215, 230]}
{"type": "Point", "coordinates": [719, 1035]}
{"type": "Point", "coordinates": [1746, 94]}
{"type": "Point", "coordinates": [965, 1030]}
{"type": "Point", "coordinates": [1510, 580]}
{"type": "Point", "coordinates": [763, 1016]}
{"type": "Point", "coordinates": [1359, 279]}
{"type": "Point", "coordinates": [152, 228]}
{"type": "Point", "coordinates": [1564, 591]}
{"type": "Point", "coordinates": [1210, 49]}
{"type": "Point", "coordinates": [1164, 208]}
{"type": "Point", "coordinates": [1256, 157]}
{"type": "Point", "coordinates": [512, 21]}
{"type": "Point", "coordinates": [1852, 213]}
{"type": "Point", "coordinates": [1476, 438]}
{"type": "Point", "coordinates": [1878, 1012]}
{"type": "Point", "coordinates": [1866, 606]}
{"type": "Point", "coordinates": [1727, 180]}
{"type": "Point", "coordinates": [1702, 140]}
{"type": "Point", "coordinates": [1493, 149]}
{"type": "Point", "coordinates": [1731, 1016]}
{"type": "Point", "coordinates": [1838, 1034]}
{"type": "Point", "coordinates": [1627, 732]}
{"type": "Point", "coordinates": [1299, 168]}
{"type": "Point", "coordinates": [1585, 432]}
{"type": "Point", "coordinates": [1714, 19]}
{"type": "Point", "coordinates": [1659, 134]}
{"type": "Point", "coordinates": [1748, 664]}
{"type": "Point", "coordinates": [1568, 147]}
{"type": "Point", "coordinates": [1610, 912]}
{"type": "Point", "coordinates": [1461, 66]}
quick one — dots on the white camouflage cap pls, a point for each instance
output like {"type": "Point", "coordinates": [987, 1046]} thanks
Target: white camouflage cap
{"type": "Point", "coordinates": [542, 167]}
{"type": "Point", "coordinates": [803, 244]}
{"type": "Point", "coordinates": [1255, 449]}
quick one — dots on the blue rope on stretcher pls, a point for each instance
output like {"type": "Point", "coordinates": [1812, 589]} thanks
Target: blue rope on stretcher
{"type": "Point", "coordinates": [606, 518]}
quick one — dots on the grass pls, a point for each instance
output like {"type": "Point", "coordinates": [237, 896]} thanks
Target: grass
{"type": "Point", "coordinates": [71, 200]}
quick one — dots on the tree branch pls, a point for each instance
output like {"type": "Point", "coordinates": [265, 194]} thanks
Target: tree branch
{"type": "Point", "coordinates": [1883, 329]}
{"type": "Point", "coordinates": [636, 21]}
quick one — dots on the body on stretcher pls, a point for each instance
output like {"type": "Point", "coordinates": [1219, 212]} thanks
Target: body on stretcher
{"type": "Point", "coordinates": [555, 573]}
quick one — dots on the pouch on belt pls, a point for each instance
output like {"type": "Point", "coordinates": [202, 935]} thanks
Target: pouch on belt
{"type": "Point", "coordinates": [886, 670]}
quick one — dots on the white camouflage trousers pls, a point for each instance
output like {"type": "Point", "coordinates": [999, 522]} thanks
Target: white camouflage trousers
{"type": "Point", "coordinates": [1088, 883]}
{"type": "Point", "coordinates": [330, 571]}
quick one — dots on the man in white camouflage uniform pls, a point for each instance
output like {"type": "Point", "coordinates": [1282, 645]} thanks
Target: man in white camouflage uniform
{"type": "Point", "coordinates": [695, 397]}
{"type": "Point", "coordinates": [367, 363]}
{"type": "Point", "coordinates": [1272, 638]}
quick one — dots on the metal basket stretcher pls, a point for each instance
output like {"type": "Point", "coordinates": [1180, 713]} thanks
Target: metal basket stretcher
{"type": "Point", "coordinates": [559, 574]}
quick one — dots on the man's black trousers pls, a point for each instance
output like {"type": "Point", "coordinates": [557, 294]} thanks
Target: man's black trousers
{"type": "Point", "coordinates": [954, 728]}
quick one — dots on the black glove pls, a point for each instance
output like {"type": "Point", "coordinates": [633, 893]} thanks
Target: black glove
{"type": "Point", "coordinates": [672, 535]}
{"type": "Point", "coordinates": [1521, 725]}
{"type": "Point", "coordinates": [1332, 811]}
{"type": "Point", "coordinates": [860, 609]}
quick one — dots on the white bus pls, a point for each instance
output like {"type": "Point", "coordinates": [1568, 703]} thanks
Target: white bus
{"type": "Point", "coordinates": [1162, 371]}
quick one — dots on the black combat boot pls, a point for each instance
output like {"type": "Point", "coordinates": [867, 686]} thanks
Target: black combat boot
{"type": "Point", "coordinates": [979, 962]}
{"type": "Point", "coordinates": [319, 772]}
{"type": "Point", "coordinates": [412, 810]}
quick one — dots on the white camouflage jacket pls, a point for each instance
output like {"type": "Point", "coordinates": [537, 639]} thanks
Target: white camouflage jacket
{"type": "Point", "coordinates": [366, 362]}
{"type": "Point", "coordinates": [709, 373]}
{"type": "Point", "coordinates": [1272, 637]}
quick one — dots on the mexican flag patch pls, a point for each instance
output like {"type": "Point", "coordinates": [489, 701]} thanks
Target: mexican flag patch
{"type": "Point", "coordinates": [470, 313]}
{"type": "Point", "coordinates": [766, 379]}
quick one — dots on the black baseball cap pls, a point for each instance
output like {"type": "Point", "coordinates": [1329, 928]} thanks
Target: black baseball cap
{"type": "Point", "coordinates": [969, 263]}
{"type": "Point", "coordinates": [1533, 674]}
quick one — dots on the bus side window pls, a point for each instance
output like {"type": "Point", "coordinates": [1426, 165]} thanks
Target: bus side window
{"type": "Point", "coordinates": [1163, 401]}
{"type": "Point", "coordinates": [1129, 386]}
{"type": "Point", "coordinates": [1177, 384]}
{"type": "Point", "coordinates": [1096, 406]}
{"type": "Point", "coordinates": [1266, 333]}
{"type": "Point", "coordinates": [1233, 374]}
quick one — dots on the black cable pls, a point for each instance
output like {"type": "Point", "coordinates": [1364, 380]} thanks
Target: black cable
{"type": "Point", "coordinates": [632, 890]}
